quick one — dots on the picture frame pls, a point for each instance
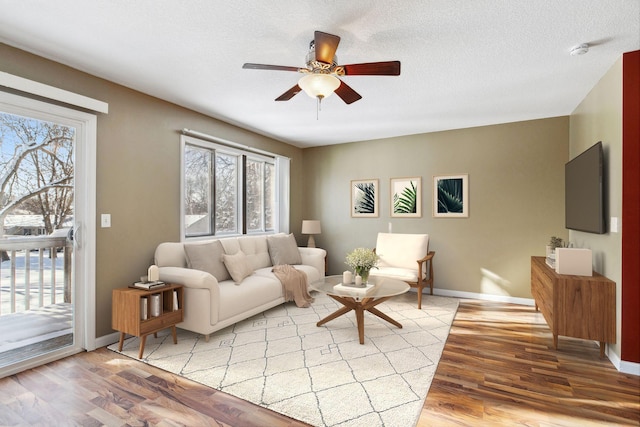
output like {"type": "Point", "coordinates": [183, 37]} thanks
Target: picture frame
{"type": "Point", "coordinates": [406, 197]}
{"type": "Point", "coordinates": [451, 196]}
{"type": "Point", "coordinates": [364, 198]}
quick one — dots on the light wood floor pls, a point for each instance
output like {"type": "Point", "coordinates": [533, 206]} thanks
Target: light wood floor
{"type": "Point", "coordinates": [498, 368]}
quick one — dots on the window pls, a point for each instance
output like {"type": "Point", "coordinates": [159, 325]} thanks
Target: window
{"type": "Point", "coordinates": [229, 191]}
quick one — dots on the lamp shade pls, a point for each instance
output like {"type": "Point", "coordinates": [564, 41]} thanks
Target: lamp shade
{"type": "Point", "coordinates": [319, 85]}
{"type": "Point", "coordinates": [311, 226]}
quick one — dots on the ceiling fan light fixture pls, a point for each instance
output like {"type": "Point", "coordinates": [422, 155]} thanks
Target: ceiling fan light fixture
{"type": "Point", "coordinates": [319, 85]}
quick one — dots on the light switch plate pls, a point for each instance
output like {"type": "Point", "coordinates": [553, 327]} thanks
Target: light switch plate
{"type": "Point", "coordinates": [105, 220]}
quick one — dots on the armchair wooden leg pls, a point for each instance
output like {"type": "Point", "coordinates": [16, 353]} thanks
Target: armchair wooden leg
{"type": "Point", "coordinates": [419, 297]}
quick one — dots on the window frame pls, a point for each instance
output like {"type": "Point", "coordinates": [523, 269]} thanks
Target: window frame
{"type": "Point", "coordinates": [281, 188]}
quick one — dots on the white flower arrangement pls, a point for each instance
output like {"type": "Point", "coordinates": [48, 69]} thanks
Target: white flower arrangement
{"type": "Point", "coordinates": [362, 260]}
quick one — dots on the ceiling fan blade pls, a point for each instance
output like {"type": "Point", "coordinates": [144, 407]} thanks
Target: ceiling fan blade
{"type": "Point", "coordinates": [347, 94]}
{"type": "Point", "coordinates": [270, 67]}
{"type": "Point", "coordinates": [388, 68]}
{"type": "Point", "coordinates": [325, 46]}
{"type": "Point", "coordinates": [289, 94]}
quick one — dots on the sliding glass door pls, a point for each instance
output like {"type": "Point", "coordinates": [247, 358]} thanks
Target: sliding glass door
{"type": "Point", "coordinates": [42, 294]}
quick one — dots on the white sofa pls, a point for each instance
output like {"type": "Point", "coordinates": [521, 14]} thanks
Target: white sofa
{"type": "Point", "coordinates": [230, 279]}
{"type": "Point", "coordinates": [405, 257]}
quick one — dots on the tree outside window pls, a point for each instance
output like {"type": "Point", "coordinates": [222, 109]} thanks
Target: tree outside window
{"type": "Point", "coordinates": [36, 170]}
{"type": "Point", "coordinates": [227, 191]}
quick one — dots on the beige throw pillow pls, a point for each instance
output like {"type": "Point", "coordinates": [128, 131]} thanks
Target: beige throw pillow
{"type": "Point", "coordinates": [283, 249]}
{"type": "Point", "coordinates": [207, 257]}
{"type": "Point", "coordinates": [238, 266]}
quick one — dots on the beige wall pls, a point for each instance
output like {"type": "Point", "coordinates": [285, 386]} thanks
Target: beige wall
{"type": "Point", "coordinates": [516, 201]}
{"type": "Point", "coordinates": [599, 118]}
{"type": "Point", "coordinates": [138, 162]}
{"type": "Point", "coordinates": [516, 187]}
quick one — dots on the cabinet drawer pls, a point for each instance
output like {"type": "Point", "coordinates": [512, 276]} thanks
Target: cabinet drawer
{"type": "Point", "coordinates": [165, 320]}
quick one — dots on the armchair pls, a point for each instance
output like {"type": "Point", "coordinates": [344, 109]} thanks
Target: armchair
{"type": "Point", "coordinates": [406, 257]}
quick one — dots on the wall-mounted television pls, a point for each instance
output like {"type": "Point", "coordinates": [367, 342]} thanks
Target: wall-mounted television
{"type": "Point", "coordinates": [584, 191]}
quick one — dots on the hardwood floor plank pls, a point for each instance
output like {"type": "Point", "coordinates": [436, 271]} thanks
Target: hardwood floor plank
{"type": "Point", "coordinates": [524, 380]}
{"type": "Point", "coordinates": [498, 367]}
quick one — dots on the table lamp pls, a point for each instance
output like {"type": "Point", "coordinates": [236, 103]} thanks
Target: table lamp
{"type": "Point", "coordinates": [311, 227]}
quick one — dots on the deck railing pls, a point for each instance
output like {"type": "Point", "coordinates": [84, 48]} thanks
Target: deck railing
{"type": "Point", "coordinates": [35, 272]}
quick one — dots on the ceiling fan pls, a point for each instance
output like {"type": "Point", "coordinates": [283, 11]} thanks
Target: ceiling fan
{"type": "Point", "coordinates": [321, 74]}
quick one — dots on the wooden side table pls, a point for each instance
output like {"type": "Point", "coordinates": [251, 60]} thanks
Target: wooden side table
{"type": "Point", "coordinates": [128, 312]}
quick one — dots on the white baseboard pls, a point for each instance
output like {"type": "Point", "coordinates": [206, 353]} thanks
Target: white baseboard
{"type": "Point", "coordinates": [485, 297]}
{"type": "Point", "coordinates": [106, 340]}
{"type": "Point", "coordinates": [623, 366]}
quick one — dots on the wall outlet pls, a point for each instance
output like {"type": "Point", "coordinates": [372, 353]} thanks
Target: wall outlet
{"type": "Point", "coordinates": [105, 220]}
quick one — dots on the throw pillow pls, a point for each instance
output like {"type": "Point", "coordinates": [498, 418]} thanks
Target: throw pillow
{"type": "Point", "coordinates": [207, 257]}
{"type": "Point", "coordinates": [238, 266]}
{"type": "Point", "coordinates": [283, 249]}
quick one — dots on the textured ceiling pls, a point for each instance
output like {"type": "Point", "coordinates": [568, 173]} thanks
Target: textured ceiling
{"type": "Point", "coordinates": [464, 63]}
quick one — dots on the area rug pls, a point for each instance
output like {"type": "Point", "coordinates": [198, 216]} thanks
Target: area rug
{"type": "Point", "coordinates": [322, 375]}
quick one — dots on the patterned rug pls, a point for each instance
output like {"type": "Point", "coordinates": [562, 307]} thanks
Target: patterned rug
{"type": "Point", "coordinates": [282, 361]}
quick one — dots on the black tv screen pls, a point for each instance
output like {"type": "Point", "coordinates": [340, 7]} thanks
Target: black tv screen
{"type": "Point", "coordinates": [583, 191]}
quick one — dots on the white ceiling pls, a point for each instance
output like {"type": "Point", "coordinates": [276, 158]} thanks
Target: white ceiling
{"type": "Point", "coordinates": [464, 63]}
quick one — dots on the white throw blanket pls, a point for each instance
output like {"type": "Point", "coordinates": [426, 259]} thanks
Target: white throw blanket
{"type": "Point", "coordinates": [294, 284]}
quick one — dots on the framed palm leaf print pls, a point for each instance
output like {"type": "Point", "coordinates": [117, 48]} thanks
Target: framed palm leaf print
{"type": "Point", "coordinates": [406, 197]}
{"type": "Point", "coordinates": [364, 198]}
{"type": "Point", "coordinates": [451, 196]}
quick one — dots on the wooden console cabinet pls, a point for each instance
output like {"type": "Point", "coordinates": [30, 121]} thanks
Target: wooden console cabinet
{"type": "Point", "coordinates": [575, 306]}
{"type": "Point", "coordinates": [128, 318]}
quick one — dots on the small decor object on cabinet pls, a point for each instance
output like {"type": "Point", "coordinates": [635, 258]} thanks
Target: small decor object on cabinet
{"type": "Point", "coordinates": [155, 305]}
{"type": "Point", "coordinates": [148, 285]}
{"type": "Point", "coordinates": [406, 197]}
{"type": "Point", "coordinates": [153, 273]}
{"type": "Point", "coordinates": [364, 198]}
{"type": "Point", "coordinates": [451, 196]}
{"type": "Point", "coordinates": [144, 308]}
{"type": "Point", "coordinates": [574, 261]}
{"type": "Point", "coordinates": [175, 300]}
{"type": "Point", "coordinates": [554, 243]}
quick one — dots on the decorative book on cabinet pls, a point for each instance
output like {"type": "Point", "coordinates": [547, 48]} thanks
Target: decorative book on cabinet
{"type": "Point", "coordinates": [575, 306]}
{"type": "Point", "coordinates": [163, 306]}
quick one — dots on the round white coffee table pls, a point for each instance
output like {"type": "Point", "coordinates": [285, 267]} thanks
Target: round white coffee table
{"type": "Point", "coordinates": [358, 301]}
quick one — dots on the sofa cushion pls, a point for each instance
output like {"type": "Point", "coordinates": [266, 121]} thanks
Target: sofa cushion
{"type": "Point", "coordinates": [283, 249]}
{"type": "Point", "coordinates": [254, 292]}
{"type": "Point", "coordinates": [230, 245]}
{"type": "Point", "coordinates": [404, 274]}
{"type": "Point", "coordinates": [207, 257]}
{"type": "Point", "coordinates": [238, 266]}
{"type": "Point", "coordinates": [256, 250]}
